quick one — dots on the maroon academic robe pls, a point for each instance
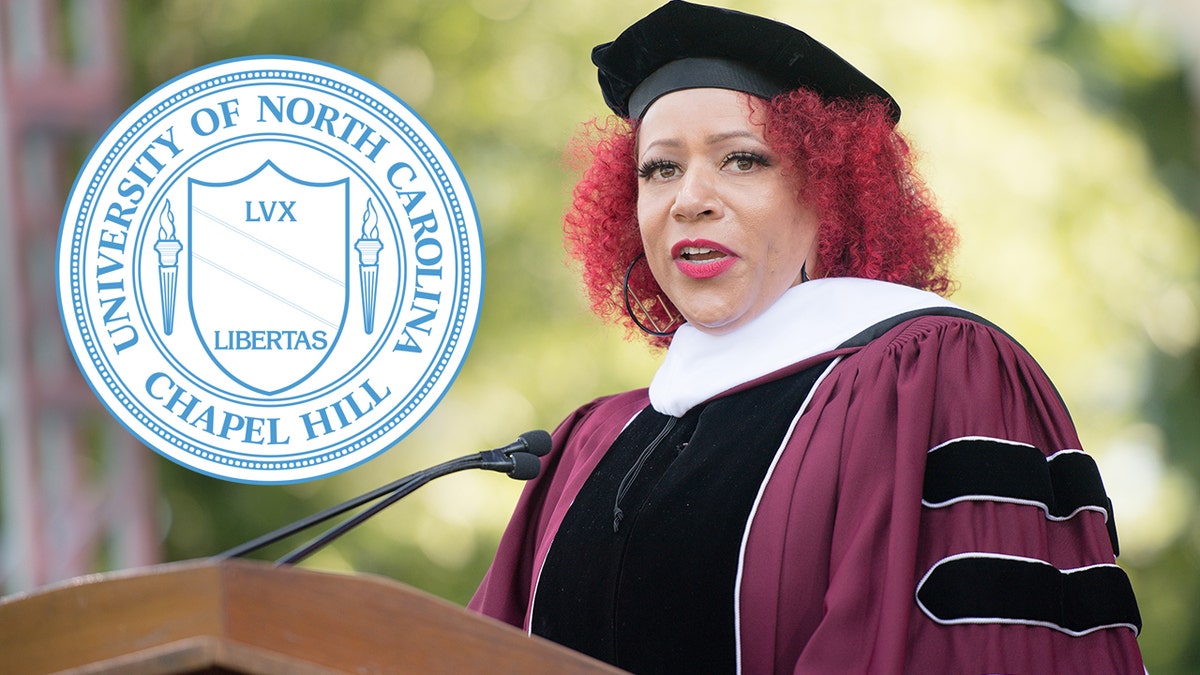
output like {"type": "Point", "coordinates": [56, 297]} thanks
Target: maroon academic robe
{"type": "Point", "coordinates": [840, 538]}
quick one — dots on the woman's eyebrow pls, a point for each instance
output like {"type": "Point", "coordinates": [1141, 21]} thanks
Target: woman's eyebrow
{"type": "Point", "coordinates": [712, 139]}
{"type": "Point", "coordinates": [665, 142]}
{"type": "Point", "coordinates": [725, 136]}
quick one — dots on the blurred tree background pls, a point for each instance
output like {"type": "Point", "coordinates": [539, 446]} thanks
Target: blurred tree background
{"type": "Point", "coordinates": [1059, 134]}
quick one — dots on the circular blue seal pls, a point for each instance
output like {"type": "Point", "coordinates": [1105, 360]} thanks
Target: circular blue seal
{"type": "Point", "coordinates": [270, 269]}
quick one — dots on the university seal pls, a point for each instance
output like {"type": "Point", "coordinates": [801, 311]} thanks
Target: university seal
{"type": "Point", "coordinates": [270, 270]}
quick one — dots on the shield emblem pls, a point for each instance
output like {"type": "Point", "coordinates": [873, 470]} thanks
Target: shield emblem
{"type": "Point", "coordinates": [268, 274]}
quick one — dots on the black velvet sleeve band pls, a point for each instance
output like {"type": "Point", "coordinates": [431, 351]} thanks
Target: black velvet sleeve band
{"type": "Point", "coordinates": [987, 469]}
{"type": "Point", "coordinates": [989, 588]}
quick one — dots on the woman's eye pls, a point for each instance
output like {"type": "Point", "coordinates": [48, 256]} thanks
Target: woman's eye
{"type": "Point", "coordinates": [745, 161]}
{"type": "Point", "coordinates": [658, 169]}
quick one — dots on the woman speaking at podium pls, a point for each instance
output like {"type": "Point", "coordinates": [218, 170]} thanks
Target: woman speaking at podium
{"type": "Point", "coordinates": [834, 470]}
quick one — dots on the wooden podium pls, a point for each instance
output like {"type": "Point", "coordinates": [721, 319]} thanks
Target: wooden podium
{"type": "Point", "coordinates": [247, 617]}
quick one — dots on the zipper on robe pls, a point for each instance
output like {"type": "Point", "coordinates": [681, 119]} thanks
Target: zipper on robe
{"type": "Point", "coordinates": [634, 470]}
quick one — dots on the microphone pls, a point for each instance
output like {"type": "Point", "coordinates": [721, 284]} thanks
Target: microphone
{"type": "Point", "coordinates": [526, 466]}
{"type": "Point", "coordinates": [536, 442]}
{"type": "Point", "coordinates": [520, 460]}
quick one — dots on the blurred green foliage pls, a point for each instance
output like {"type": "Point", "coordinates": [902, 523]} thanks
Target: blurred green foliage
{"type": "Point", "coordinates": [1063, 143]}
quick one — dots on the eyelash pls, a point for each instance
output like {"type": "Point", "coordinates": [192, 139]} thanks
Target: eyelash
{"type": "Point", "coordinates": [752, 156]}
{"type": "Point", "coordinates": [649, 167]}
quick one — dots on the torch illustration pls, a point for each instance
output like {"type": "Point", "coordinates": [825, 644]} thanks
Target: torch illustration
{"type": "Point", "coordinates": [168, 248]}
{"type": "Point", "coordinates": [368, 246]}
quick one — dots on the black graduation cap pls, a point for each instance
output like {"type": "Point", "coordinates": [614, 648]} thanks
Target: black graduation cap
{"type": "Point", "coordinates": [684, 46]}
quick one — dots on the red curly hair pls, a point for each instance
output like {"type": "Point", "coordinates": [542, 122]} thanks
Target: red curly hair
{"type": "Point", "coordinates": [877, 219]}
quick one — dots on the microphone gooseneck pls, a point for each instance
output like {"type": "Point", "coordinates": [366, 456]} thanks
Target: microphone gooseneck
{"type": "Point", "coordinates": [519, 460]}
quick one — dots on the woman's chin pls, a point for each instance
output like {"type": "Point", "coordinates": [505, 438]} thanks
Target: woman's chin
{"type": "Point", "coordinates": [714, 323]}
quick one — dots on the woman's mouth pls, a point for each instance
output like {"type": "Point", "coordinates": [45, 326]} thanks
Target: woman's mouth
{"type": "Point", "coordinates": [701, 259]}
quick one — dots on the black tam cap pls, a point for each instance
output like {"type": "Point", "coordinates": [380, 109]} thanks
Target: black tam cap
{"type": "Point", "coordinates": [686, 46]}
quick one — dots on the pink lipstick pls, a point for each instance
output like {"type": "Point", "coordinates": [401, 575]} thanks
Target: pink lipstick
{"type": "Point", "coordinates": [702, 259]}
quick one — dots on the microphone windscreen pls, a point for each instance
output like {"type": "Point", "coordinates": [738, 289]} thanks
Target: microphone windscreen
{"type": "Point", "coordinates": [537, 442]}
{"type": "Point", "coordinates": [526, 466]}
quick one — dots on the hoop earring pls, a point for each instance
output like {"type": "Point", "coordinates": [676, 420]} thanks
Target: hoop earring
{"type": "Point", "coordinates": [658, 331]}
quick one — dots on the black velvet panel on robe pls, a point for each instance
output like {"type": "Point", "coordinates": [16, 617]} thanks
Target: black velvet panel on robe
{"type": "Point", "coordinates": [642, 571]}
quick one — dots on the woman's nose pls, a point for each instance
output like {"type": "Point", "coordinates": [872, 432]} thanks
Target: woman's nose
{"type": "Point", "coordinates": [697, 197]}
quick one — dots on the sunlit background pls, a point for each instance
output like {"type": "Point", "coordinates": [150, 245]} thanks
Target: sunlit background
{"type": "Point", "coordinates": [1059, 134]}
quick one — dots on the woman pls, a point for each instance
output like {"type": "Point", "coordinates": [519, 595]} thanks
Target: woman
{"type": "Point", "coordinates": [835, 470]}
